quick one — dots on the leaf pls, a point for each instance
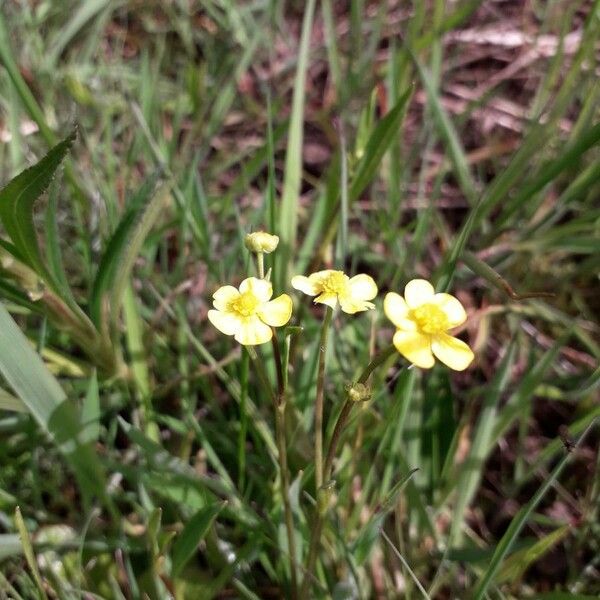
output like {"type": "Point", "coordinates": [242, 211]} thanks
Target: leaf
{"type": "Point", "coordinates": [193, 533]}
{"type": "Point", "coordinates": [518, 562]}
{"type": "Point", "coordinates": [16, 205]}
{"type": "Point", "coordinates": [90, 411]}
{"type": "Point", "coordinates": [380, 140]}
{"type": "Point", "coordinates": [518, 522]}
{"type": "Point", "coordinates": [9, 402]}
{"type": "Point", "coordinates": [37, 388]}
{"type": "Point", "coordinates": [28, 551]}
{"type": "Point", "coordinates": [288, 218]}
{"type": "Point", "coordinates": [122, 249]}
{"type": "Point", "coordinates": [472, 468]}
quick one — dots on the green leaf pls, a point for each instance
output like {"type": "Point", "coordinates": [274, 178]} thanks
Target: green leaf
{"type": "Point", "coordinates": [518, 562]}
{"type": "Point", "coordinates": [122, 249]}
{"type": "Point", "coordinates": [90, 411]}
{"type": "Point", "coordinates": [16, 205]}
{"type": "Point", "coordinates": [38, 389]}
{"type": "Point", "coordinates": [194, 532]}
{"type": "Point", "coordinates": [472, 468]}
{"type": "Point", "coordinates": [9, 402]}
{"type": "Point", "coordinates": [288, 218]}
{"type": "Point", "coordinates": [519, 521]}
{"type": "Point", "coordinates": [380, 140]}
{"type": "Point", "coordinates": [28, 551]}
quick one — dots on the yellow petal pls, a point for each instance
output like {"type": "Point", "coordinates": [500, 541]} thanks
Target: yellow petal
{"type": "Point", "coordinates": [416, 347]}
{"type": "Point", "coordinates": [351, 305]}
{"type": "Point", "coordinates": [224, 296]}
{"type": "Point", "coordinates": [226, 322]}
{"type": "Point", "coordinates": [277, 312]}
{"type": "Point", "coordinates": [452, 351]}
{"type": "Point", "coordinates": [328, 298]}
{"type": "Point", "coordinates": [304, 284]}
{"type": "Point", "coordinates": [417, 292]}
{"type": "Point", "coordinates": [263, 290]}
{"type": "Point", "coordinates": [397, 311]}
{"type": "Point", "coordinates": [452, 308]}
{"type": "Point", "coordinates": [362, 287]}
{"type": "Point", "coordinates": [253, 331]}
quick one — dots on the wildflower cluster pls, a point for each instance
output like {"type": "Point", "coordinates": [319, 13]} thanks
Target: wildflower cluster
{"type": "Point", "coordinates": [422, 318]}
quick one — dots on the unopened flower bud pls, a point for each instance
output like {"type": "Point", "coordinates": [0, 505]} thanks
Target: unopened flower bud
{"type": "Point", "coordinates": [261, 242]}
{"type": "Point", "coordinates": [359, 392]}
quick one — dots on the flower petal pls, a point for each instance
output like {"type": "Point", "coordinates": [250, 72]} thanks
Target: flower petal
{"type": "Point", "coordinates": [262, 289]}
{"type": "Point", "coordinates": [328, 298]}
{"type": "Point", "coordinates": [305, 285]}
{"type": "Point", "coordinates": [224, 296]}
{"type": "Point", "coordinates": [352, 305]}
{"type": "Point", "coordinates": [416, 347]}
{"type": "Point", "coordinates": [226, 322]}
{"type": "Point", "coordinates": [362, 287]}
{"type": "Point", "coordinates": [277, 312]}
{"type": "Point", "coordinates": [395, 309]}
{"type": "Point", "coordinates": [417, 292]}
{"type": "Point", "coordinates": [452, 308]}
{"type": "Point", "coordinates": [253, 331]}
{"type": "Point", "coordinates": [452, 351]}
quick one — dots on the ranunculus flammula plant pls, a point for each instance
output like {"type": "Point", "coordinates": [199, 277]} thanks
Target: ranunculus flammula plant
{"type": "Point", "coordinates": [422, 319]}
{"type": "Point", "coordinates": [333, 287]}
{"type": "Point", "coordinates": [248, 313]}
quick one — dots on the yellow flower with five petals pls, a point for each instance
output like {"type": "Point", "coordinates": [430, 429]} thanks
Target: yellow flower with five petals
{"type": "Point", "coordinates": [422, 319]}
{"type": "Point", "coordinates": [333, 287]}
{"type": "Point", "coordinates": [248, 313]}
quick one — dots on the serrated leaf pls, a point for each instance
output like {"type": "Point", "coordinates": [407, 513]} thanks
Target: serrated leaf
{"type": "Point", "coordinates": [193, 533]}
{"type": "Point", "coordinates": [124, 246]}
{"type": "Point", "coordinates": [16, 205]}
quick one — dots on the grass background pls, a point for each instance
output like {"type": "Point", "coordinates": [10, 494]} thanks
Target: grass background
{"type": "Point", "coordinates": [431, 139]}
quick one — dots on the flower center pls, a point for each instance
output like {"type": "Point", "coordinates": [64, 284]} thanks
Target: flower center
{"type": "Point", "coordinates": [430, 318]}
{"type": "Point", "coordinates": [335, 283]}
{"type": "Point", "coordinates": [245, 305]}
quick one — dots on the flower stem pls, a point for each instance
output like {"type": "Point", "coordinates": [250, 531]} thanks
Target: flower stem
{"type": "Point", "coordinates": [284, 476]}
{"type": "Point", "coordinates": [260, 263]}
{"type": "Point", "coordinates": [317, 529]}
{"type": "Point", "coordinates": [320, 397]}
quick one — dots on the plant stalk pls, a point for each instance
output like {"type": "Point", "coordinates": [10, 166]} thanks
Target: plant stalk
{"type": "Point", "coordinates": [319, 400]}
{"type": "Point", "coordinates": [317, 529]}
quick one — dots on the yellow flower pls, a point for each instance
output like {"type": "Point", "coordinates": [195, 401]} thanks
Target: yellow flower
{"type": "Point", "coordinates": [422, 319]}
{"type": "Point", "coordinates": [331, 287]}
{"type": "Point", "coordinates": [249, 313]}
{"type": "Point", "coordinates": [261, 241]}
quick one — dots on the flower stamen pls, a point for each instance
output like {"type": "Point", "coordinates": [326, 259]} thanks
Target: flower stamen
{"type": "Point", "coordinates": [430, 318]}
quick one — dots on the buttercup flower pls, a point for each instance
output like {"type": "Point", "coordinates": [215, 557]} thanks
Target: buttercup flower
{"type": "Point", "coordinates": [261, 241]}
{"type": "Point", "coordinates": [331, 287]}
{"type": "Point", "coordinates": [422, 319]}
{"type": "Point", "coordinates": [249, 313]}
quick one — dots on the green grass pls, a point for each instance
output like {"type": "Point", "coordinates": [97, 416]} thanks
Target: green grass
{"type": "Point", "coordinates": [137, 445]}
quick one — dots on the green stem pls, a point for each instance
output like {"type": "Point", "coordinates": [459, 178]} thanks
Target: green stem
{"type": "Point", "coordinates": [319, 399]}
{"type": "Point", "coordinates": [284, 477]}
{"type": "Point", "coordinates": [243, 422]}
{"type": "Point", "coordinates": [317, 529]}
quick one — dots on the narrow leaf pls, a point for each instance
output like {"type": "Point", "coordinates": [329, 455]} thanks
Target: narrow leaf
{"type": "Point", "coordinates": [193, 533]}
{"type": "Point", "coordinates": [16, 205]}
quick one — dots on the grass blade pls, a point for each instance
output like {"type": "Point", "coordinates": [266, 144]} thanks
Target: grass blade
{"type": "Point", "coordinates": [194, 532]}
{"type": "Point", "coordinates": [288, 218]}
{"type": "Point", "coordinates": [519, 521]}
